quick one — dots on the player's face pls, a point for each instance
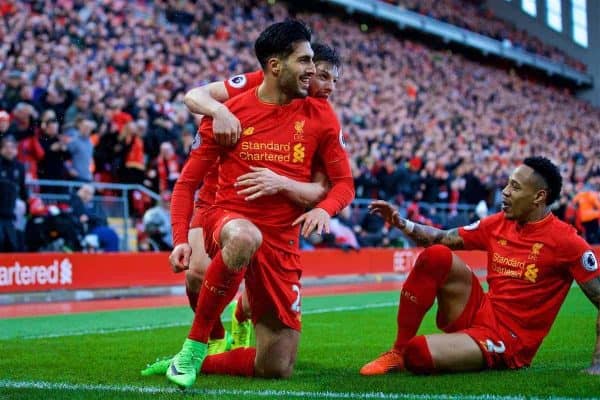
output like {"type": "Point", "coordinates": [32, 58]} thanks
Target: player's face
{"type": "Point", "coordinates": [521, 196]}
{"type": "Point", "coordinates": [296, 71]}
{"type": "Point", "coordinates": [322, 84]}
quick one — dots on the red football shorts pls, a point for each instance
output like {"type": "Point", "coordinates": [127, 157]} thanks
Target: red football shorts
{"type": "Point", "coordinates": [499, 346]}
{"type": "Point", "coordinates": [273, 285]}
{"type": "Point", "coordinates": [199, 217]}
{"type": "Point", "coordinates": [272, 278]}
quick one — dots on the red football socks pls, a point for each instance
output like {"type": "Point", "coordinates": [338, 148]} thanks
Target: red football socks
{"type": "Point", "coordinates": [418, 293]}
{"type": "Point", "coordinates": [218, 289]}
{"type": "Point", "coordinates": [240, 315]}
{"type": "Point", "coordinates": [218, 330]}
{"type": "Point", "coordinates": [238, 362]}
{"type": "Point", "coordinates": [417, 357]}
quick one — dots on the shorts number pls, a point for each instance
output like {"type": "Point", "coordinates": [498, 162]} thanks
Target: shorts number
{"type": "Point", "coordinates": [495, 347]}
{"type": "Point", "coordinates": [296, 304]}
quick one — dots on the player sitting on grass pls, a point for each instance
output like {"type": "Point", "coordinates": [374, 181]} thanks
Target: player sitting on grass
{"type": "Point", "coordinates": [533, 258]}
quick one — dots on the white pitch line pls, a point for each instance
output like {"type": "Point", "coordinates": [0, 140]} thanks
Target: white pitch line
{"type": "Point", "coordinates": [42, 385]}
{"type": "Point", "coordinates": [103, 331]}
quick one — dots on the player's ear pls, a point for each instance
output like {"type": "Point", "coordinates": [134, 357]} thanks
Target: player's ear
{"type": "Point", "coordinates": [541, 196]}
{"type": "Point", "coordinates": [274, 65]}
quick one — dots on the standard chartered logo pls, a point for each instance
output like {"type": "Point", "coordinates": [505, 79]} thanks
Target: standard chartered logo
{"type": "Point", "coordinates": [299, 150]}
{"type": "Point", "coordinates": [58, 272]}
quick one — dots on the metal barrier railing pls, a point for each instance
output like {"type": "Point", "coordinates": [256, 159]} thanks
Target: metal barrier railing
{"type": "Point", "coordinates": [114, 206]}
{"type": "Point", "coordinates": [118, 206]}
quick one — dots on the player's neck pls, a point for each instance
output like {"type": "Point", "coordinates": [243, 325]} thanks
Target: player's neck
{"type": "Point", "coordinates": [535, 216]}
{"type": "Point", "coordinates": [269, 92]}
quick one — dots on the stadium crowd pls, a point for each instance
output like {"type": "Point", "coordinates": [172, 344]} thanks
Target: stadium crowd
{"type": "Point", "coordinates": [475, 16]}
{"type": "Point", "coordinates": [93, 91]}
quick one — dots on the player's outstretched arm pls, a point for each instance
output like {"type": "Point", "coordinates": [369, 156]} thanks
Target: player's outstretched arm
{"type": "Point", "coordinates": [422, 235]}
{"type": "Point", "coordinates": [208, 100]}
{"type": "Point", "coordinates": [591, 289]}
{"type": "Point", "coordinates": [264, 182]}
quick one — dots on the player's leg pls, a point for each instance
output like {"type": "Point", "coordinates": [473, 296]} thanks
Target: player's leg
{"type": "Point", "coordinates": [241, 324]}
{"type": "Point", "coordinates": [273, 357]}
{"type": "Point", "coordinates": [444, 352]}
{"type": "Point", "coordinates": [276, 348]}
{"type": "Point", "coordinates": [199, 262]}
{"type": "Point", "coordinates": [437, 273]}
{"type": "Point", "coordinates": [239, 239]}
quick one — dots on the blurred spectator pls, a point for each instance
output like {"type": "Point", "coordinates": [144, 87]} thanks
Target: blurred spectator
{"type": "Point", "coordinates": [79, 109]}
{"type": "Point", "coordinates": [164, 170]}
{"type": "Point", "coordinates": [587, 206]}
{"type": "Point", "coordinates": [98, 235]}
{"type": "Point", "coordinates": [52, 166]}
{"type": "Point", "coordinates": [4, 122]}
{"type": "Point", "coordinates": [22, 124]}
{"type": "Point", "coordinates": [12, 187]}
{"type": "Point", "coordinates": [52, 228]}
{"type": "Point", "coordinates": [341, 229]}
{"type": "Point", "coordinates": [157, 224]}
{"type": "Point", "coordinates": [81, 149]}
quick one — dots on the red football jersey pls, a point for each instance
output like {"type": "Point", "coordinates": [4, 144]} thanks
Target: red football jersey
{"type": "Point", "coordinates": [530, 270]}
{"type": "Point", "coordinates": [284, 139]}
{"type": "Point", "coordinates": [235, 85]}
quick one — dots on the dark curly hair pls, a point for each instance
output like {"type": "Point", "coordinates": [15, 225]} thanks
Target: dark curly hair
{"type": "Point", "coordinates": [326, 53]}
{"type": "Point", "coordinates": [279, 40]}
{"type": "Point", "coordinates": [549, 174]}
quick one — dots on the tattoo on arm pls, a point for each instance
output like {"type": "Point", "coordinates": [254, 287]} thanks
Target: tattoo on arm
{"type": "Point", "coordinates": [425, 236]}
{"type": "Point", "coordinates": [591, 289]}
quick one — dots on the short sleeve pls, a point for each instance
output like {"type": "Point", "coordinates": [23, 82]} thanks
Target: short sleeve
{"type": "Point", "coordinates": [581, 260]}
{"type": "Point", "coordinates": [476, 236]}
{"type": "Point", "coordinates": [239, 84]}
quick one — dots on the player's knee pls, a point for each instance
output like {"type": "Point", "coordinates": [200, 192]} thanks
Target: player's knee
{"type": "Point", "coordinates": [435, 261]}
{"type": "Point", "coordinates": [281, 369]}
{"type": "Point", "coordinates": [241, 246]}
{"type": "Point", "coordinates": [198, 265]}
{"type": "Point", "coordinates": [194, 279]}
{"type": "Point", "coordinates": [417, 357]}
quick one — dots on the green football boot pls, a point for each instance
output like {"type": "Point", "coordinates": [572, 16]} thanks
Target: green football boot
{"type": "Point", "coordinates": [217, 346]}
{"type": "Point", "coordinates": [158, 367]}
{"type": "Point", "coordinates": [241, 332]}
{"type": "Point", "coordinates": [186, 364]}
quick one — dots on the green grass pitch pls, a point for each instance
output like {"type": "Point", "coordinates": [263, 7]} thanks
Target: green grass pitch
{"type": "Point", "coordinates": [99, 356]}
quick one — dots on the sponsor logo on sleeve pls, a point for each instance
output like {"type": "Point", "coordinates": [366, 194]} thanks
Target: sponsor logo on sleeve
{"type": "Point", "coordinates": [238, 81]}
{"type": "Point", "coordinates": [342, 141]}
{"type": "Point", "coordinates": [588, 261]}
{"type": "Point", "coordinates": [197, 141]}
{"type": "Point", "coordinates": [472, 226]}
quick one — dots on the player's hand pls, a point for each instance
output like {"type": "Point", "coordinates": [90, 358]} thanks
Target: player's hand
{"type": "Point", "coordinates": [387, 212]}
{"type": "Point", "coordinates": [226, 127]}
{"type": "Point", "coordinates": [180, 257]}
{"type": "Point", "coordinates": [260, 182]}
{"type": "Point", "coordinates": [316, 220]}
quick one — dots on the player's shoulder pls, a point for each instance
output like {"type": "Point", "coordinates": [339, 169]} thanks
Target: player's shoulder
{"type": "Point", "coordinates": [322, 111]}
{"type": "Point", "coordinates": [247, 98]}
{"type": "Point", "coordinates": [240, 83]}
{"type": "Point", "coordinates": [319, 104]}
{"type": "Point", "coordinates": [483, 224]}
{"type": "Point", "coordinates": [566, 232]}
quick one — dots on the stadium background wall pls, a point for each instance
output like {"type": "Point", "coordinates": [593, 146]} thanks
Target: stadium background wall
{"type": "Point", "coordinates": [31, 272]}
